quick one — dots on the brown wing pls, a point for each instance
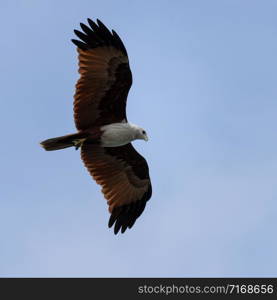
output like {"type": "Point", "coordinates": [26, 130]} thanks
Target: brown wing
{"type": "Point", "coordinates": [102, 90]}
{"type": "Point", "coordinates": [123, 174]}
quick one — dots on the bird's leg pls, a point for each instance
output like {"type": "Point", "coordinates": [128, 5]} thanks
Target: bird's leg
{"type": "Point", "coordinates": [78, 143]}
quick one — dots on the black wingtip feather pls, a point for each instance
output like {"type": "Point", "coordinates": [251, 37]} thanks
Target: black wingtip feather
{"type": "Point", "coordinates": [103, 27]}
{"type": "Point", "coordinates": [80, 44]}
{"type": "Point", "coordinates": [123, 228]}
{"type": "Point", "coordinates": [119, 42]}
{"type": "Point", "coordinates": [86, 29]}
{"type": "Point", "coordinates": [81, 35]}
{"type": "Point", "coordinates": [112, 220]}
{"type": "Point", "coordinates": [92, 24]}
{"type": "Point", "coordinates": [97, 35]}
{"type": "Point", "coordinates": [125, 216]}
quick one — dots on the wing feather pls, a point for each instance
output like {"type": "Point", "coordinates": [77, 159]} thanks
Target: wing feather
{"type": "Point", "coordinates": [124, 176]}
{"type": "Point", "coordinates": [102, 90]}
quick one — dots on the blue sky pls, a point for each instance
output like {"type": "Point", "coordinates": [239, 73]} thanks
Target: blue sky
{"type": "Point", "coordinates": [204, 89]}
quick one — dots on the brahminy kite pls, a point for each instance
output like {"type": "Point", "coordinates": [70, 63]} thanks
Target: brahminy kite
{"type": "Point", "coordinates": [104, 134]}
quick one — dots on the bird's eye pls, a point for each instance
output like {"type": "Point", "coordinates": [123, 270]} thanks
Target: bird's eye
{"type": "Point", "coordinates": [143, 132]}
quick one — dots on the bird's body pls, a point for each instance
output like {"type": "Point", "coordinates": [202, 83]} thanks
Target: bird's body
{"type": "Point", "coordinates": [119, 134]}
{"type": "Point", "coordinates": [104, 134]}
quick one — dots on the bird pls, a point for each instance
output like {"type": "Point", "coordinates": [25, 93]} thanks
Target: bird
{"type": "Point", "coordinates": [104, 134]}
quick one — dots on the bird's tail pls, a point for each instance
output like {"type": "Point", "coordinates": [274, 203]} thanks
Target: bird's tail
{"type": "Point", "coordinates": [70, 140]}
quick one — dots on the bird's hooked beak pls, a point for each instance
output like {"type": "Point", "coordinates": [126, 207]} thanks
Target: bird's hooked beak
{"type": "Point", "coordinates": [145, 138]}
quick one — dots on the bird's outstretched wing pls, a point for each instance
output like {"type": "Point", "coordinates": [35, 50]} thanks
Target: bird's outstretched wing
{"type": "Point", "coordinates": [102, 90]}
{"type": "Point", "coordinates": [123, 174]}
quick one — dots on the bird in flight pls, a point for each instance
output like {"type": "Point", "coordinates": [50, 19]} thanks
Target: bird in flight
{"type": "Point", "coordinates": [103, 133]}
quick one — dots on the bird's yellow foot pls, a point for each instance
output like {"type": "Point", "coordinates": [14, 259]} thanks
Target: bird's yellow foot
{"type": "Point", "coordinates": [78, 143]}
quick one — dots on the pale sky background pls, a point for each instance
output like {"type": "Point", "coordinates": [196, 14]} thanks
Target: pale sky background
{"type": "Point", "coordinates": [205, 90]}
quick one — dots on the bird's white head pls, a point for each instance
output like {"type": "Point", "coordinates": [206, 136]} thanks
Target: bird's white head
{"type": "Point", "coordinates": [143, 135]}
{"type": "Point", "coordinates": [140, 133]}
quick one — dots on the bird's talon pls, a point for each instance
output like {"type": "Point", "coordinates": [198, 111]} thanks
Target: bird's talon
{"type": "Point", "coordinates": [78, 143]}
